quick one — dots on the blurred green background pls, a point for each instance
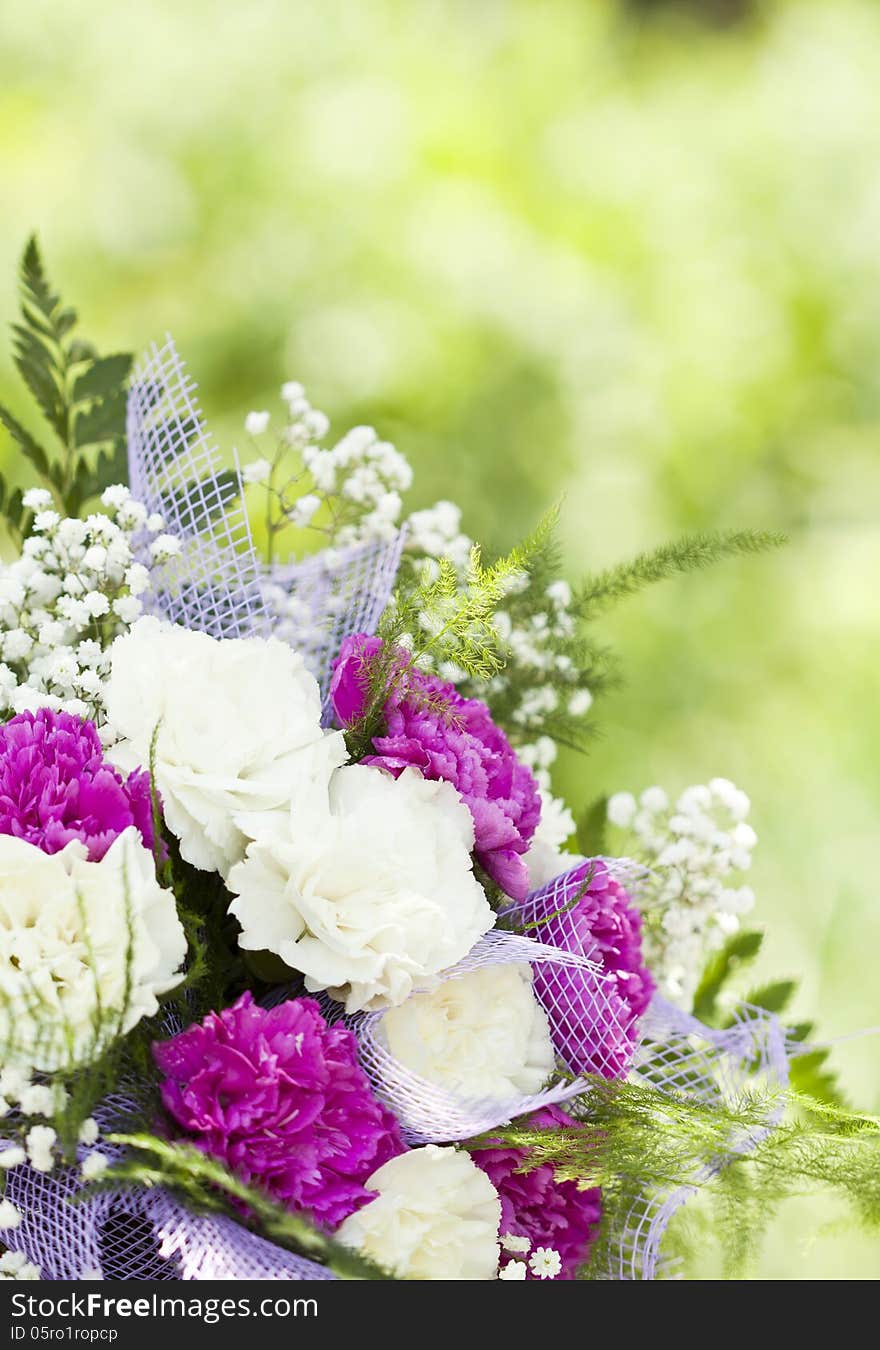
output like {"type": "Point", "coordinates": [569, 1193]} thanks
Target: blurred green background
{"type": "Point", "coordinates": [628, 252]}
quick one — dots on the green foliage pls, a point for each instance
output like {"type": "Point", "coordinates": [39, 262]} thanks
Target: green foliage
{"type": "Point", "coordinates": [450, 622]}
{"type": "Point", "coordinates": [691, 554]}
{"type": "Point", "coordinates": [636, 1141]}
{"type": "Point", "coordinates": [82, 398]}
{"type": "Point", "coordinates": [436, 617]}
{"type": "Point", "coordinates": [810, 1076]}
{"type": "Point", "coordinates": [209, 1187]}
{"type": "Point", "coordinates": [592, 829]}
{"type": "Point", "coordinates": [738, 950]}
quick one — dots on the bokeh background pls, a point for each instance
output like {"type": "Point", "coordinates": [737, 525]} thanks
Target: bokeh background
{"type": "Point", "coordinates": [624, 252]}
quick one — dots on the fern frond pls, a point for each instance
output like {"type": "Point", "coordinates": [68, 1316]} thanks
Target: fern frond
{"type": "Point", "coordinates": [690, 554]}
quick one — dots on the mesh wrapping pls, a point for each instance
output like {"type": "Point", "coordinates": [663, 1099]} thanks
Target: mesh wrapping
{"type": "Point", "coordinates": [593, 1023]}
{"type": "Point", "coordinates": [214, 585]}
{"type": "Point", "coordinates": [218, 584]}
{"type": "Point", "coordinates": [336, 593]}
{"type": "Point", "coordinates": [428, 1112]}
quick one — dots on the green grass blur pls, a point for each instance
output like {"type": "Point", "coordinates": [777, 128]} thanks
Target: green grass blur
{"type": "Point", "coordinates": [612, 251]}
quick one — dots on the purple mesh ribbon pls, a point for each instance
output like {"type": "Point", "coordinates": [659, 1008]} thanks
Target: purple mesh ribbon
{"type": "Point", "coordinates": [430, 1113]}
{"type": "Point", "coordinates": [218, 584]}
{"type": "Point", "coordinates": [133, 1233]}
{"type": "Point", "coordinates": [594, 1027]}
{"type": "Point", "coordinates": [214, 585]}
{"type": "Point", "coordinates": [338, 592]}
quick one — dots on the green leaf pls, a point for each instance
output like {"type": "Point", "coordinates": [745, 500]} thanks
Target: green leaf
{"type": "Point", "coordinates": [37, 368]}
{"type": "Point", "coordinates": [30, 448]}
{"type": "Point", "coordinates": [111, 466]}
{"type": "Point", "coordinates": [809, 1076]}
{"type": "Point", "coordinates": [101, 421]}
{"type": "Point", "coordinates": [739, 950]}
{"type": "Point", "coordinates": [774, 997]}
{"type": "Point", "coordinates": [80, 350]}
{"type": "Point", "coordinates": [104, 377]}
{"type": "Point", "coordinates": [34, 282]}
{"type": "Point", "coordinates": [592, 829]}
{"type": "Point", "coordinates": [12, 508]}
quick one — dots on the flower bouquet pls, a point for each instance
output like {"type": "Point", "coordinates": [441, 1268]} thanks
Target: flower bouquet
{"type": "Point", "coordinates": [304, 971]}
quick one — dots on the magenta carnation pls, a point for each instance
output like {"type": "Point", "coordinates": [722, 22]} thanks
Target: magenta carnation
{"type": "Point", "coordinates": [279, 1096]}
{"type": "Point", "coordinates": [55, 786]}
{"type": "Point", "coordinates": [535, 1206]}
{"type": "Point", "coordinates": [431, 727]}
{"type": "Point", "coordinates": [594, 1024]}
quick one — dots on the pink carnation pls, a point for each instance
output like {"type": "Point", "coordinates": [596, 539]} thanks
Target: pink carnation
{"type": "Point", "coordinates": [55, 786]}
{"type": "Point", "coordinates": [431, 727]}
{"type": "Point", "coordinates": [535, 1206]}
{"type": "Point", "coordinates": [279, 1096]}
{"type": "Point", "coordinates": [594, 1024]}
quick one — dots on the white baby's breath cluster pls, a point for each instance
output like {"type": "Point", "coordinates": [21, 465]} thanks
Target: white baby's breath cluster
{"type": "Point", "coordinates": [76, 585]}
{"type": "Point", "coordinates": [544, 675]}
{"type": "Point", "coordinates": [350, 491]}
{"type": "Point", "coordinates": [15, 1266]}
{"type": "Point", "coordinates": [540, 678]}
{"type": "Point", "coordinates": [693, 849]}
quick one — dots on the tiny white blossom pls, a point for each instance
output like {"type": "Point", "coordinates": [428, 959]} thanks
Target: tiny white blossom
{"type": "Point", "coordinates": [88, 1131]}
{"type": "Point", "coordinates": [654, 799]}
{"type": "Point", "coordinates": [128, 608]}
{"type": "Point", "coordinates": [511, 1242]}
{"type": "Point", "coordinates": [164, 547]}
{"type": "Point", "coordinates": [137, 579]}
{"type": "Point", "coordinates": [580, 702]}
{"type": "Point", "coordinates": [40, 1142]}
{"type": "Point", "coordinates": [291, 391]}
{"type": "Point", "coordinates": [132, 515]}
{"type": "Point", "coordinates": [46, 522]}
{"type": "Point", "coordinates": [13, 1082]}
{"type": "Point", "coordinates": [621, 809]}
{"type": "Point", "coordinates": [96, 603]}
{"type": "Point", "coordinates": [545, 1263]}
{"type": "Point", "coordinates": [15, 1266]}
{"type": "Point", "coordinates": [115, 496]}
{"type": "Point", "coordinates": [94, 1166]}
{"type": "Point", "coordinates": [256, 472]}
{"type": "Point", "coordinates": [256, 423]}
{"type": "Point", "coordinates": [316, 423]}
{"type": "Point", "coordinates": [303, 511]}
{"type": "Point", "coordinates": [13, 1156]}
{"type": "Point", "coordinates": [9, 1215]}
{"type": "Point", "coordinates": [514, 1270]}
{"type": "Point", "coordinates": [155, 522]}
{"type": "Point", "coordinates": [37, 1100]}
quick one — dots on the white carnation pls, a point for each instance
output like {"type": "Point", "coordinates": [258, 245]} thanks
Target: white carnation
{"type": "Point", "coordinates": [239, 730]}
{"type": "Point", "coordinates": [367, 895]}
{"type": "Point", "coordinates": [79, 940]}
{"type": "Point", "coordinates": [480, 1035]}
{"type": "Point", "coordinates": [435, 1217]}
